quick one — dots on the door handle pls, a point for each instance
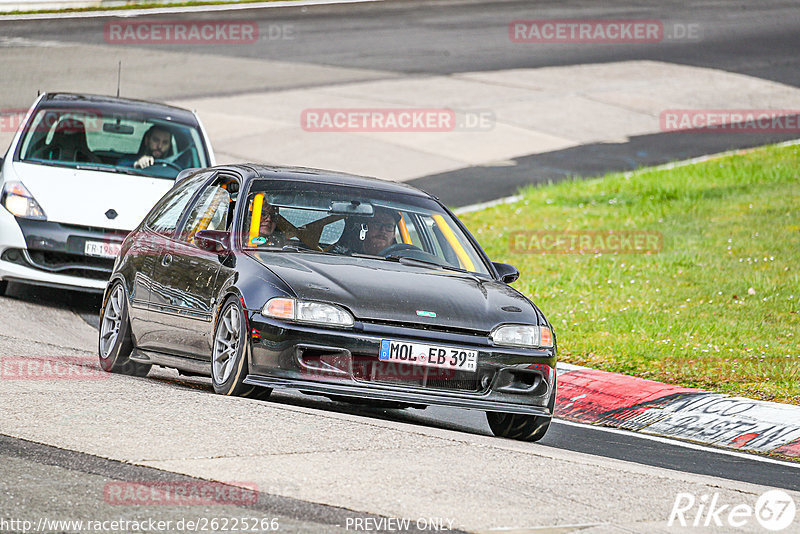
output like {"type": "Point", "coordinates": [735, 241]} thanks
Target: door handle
{"type": "Point", "coordinates": [166, 260]}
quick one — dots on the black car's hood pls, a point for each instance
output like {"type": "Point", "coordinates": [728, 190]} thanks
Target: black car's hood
{"type": "Point", "coordinates": [389, 291]}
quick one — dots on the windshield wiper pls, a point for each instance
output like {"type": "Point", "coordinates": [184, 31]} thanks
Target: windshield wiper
{"type": "Point", "coordinates": [120, 170]}
{"type": "Point", "coordinates": [289, 248]}
{"type": "Point", "coordinates": [295, 248]}
{"type": "Point", "coordinates": [418, 261]}
{"type": "Point", "coordinates": [402, 259]}
{"type": "Point", "coordinates": [47, 162]}
{"type": "Point", "coordinates": [406, 259]}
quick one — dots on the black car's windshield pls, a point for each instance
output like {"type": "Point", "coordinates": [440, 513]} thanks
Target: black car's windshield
{"type": "Point", "coordinates": [284, 215]}
{"type": "Point", "coordinates": [108, 141]}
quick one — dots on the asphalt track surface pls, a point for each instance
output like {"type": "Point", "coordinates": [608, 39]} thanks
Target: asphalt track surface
{"type": "Point", "coordinates": [440, 37]}
{"type": "Point", "coordinates": [53, 475]}
{"type": "Point", "coordinates": [449, 36]}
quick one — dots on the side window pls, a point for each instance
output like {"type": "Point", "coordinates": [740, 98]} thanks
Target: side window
{"type": "Point", "coordinates": [441, 247]}
{"type": "Point", "coordinates": [408, 231]}
{"type": "Point", "coordinates": [164, 218]}
{"type": "Point", "coordinates": [212, 209]}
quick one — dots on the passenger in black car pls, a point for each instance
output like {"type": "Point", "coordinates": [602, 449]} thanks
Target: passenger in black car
{"type": "Point", "coordinates": [268, 229]}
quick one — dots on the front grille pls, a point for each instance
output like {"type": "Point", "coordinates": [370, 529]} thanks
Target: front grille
{"type": "Point", "coordinates": [60, 260]}
{"type": "Point", "coordinates": [108, 232]}
{"type": "Point", "coordinates": [62, 263]}
{"type": "Point", "coordinates": [371, 369]}
{"type": "Point", "coordinates": [428, 327]}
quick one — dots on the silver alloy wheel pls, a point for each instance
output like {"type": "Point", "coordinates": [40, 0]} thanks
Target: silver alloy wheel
{"type": "Point", "coordinates": [112, 321]}
{"type": "Point", "coordinates": [226, 343]}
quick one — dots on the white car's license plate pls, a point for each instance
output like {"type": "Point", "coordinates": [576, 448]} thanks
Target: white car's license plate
{"type": "Point", "coordinates": [102, 249]}
{"type": "Point", "coordinates": [430, 355]}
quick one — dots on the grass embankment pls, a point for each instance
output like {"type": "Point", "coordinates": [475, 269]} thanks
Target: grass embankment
{"type": "Point", "coordinates": [718, 307]}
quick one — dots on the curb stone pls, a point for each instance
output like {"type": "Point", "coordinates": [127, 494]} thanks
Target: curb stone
{"type": "Point", "coordinates": [610, 399]}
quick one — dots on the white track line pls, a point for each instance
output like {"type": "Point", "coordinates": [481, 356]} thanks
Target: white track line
{"type": "Point", "coordinates": [547, 528]}
{"type": "Point", "coordinates": [177, 10]}
{"type": "Point", "coordinates": [680, 443]}
{"type": "Point", "coordinates": [489, 204]}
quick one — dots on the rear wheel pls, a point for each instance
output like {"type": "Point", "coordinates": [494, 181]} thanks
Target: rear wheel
{"type": "Point", "coordinates": [230, 353]}
{"type": "Point", "coordinates": [520, 426]}
{"type": "Point", "coordinates": [3, 287]}
{"type": "Point", "coordinates": [115, 344]}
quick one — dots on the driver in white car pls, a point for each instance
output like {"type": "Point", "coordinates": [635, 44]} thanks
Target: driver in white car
{"type": "Point", "coordinates": [156, 144]}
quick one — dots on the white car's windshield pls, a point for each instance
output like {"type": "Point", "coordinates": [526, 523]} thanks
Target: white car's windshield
{"type": "Point", "coordinates": [355, 221]}
{"type": "Point", "coordinates": [104, 140]}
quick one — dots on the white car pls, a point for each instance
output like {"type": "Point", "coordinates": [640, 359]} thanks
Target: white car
{"type": "Point", "coordinates": [81, 172]}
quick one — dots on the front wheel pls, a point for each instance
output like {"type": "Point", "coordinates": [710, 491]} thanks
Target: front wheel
{"type": "Point", "coordinates": [115, 344]}
{"type": "Point", "coordinates": [520, 426]}
{"type": "Point", "coordinates": [230, 353]}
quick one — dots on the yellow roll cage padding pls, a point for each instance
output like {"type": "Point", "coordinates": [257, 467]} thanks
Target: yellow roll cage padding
{"type": "Point", "coordinates": [453, 240]}
{"type": "Point", "coordinates": [202, 224]}
{"type": "Point", "coordinates": [404, 230]}
{"type": "Point", "coordinates": [219, 196]}
{"type": "Point", "coordinates": [255, 217]}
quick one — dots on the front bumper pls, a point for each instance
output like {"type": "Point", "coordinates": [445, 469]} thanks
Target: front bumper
{"type": "Point", "coordinates": [345, 363]}
{"type": "Point", "coordinates": [52, 254]}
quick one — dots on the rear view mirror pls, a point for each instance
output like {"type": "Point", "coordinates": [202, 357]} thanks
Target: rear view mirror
{"type": "Point", "coordinates": [215, 241]}
{"type": "Point", "coordinates": [353, 207]}
{"type": "Point", "coordinates": [112, 127]}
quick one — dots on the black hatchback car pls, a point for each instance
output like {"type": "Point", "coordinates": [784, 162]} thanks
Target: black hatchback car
{"type": "Point", "coordinates": [353, 288]}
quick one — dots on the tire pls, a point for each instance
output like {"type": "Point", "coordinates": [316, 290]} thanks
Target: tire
{"type": "Point", "coordinates": [3, 287]}
{"type": "Point", "coordinates": [115, 345]}
{"type": "Point", "coordinates": [230, 353]}
{"type": "Point", "coordinates": [520, 426]}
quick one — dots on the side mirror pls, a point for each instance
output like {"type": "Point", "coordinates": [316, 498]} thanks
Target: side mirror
{"type": "Point", "coordinates": [507, 273]}
{"type": "Point", "coordinates": [215, 241]}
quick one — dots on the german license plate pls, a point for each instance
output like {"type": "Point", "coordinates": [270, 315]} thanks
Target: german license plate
{"type": "Point", "coordinates": [102, 249]}
{"type": "Point", "coordinates": [430, 355]}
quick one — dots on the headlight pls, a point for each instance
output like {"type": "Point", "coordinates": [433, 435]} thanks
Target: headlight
{"type": "Point", "coordinates": [522, 335]}
{"type": "Point", "coordinates": [18, 200]}
{"type": "Point", "coordinates": [304, 311]}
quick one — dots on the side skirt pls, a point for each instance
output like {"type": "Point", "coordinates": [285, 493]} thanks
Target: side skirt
{"type": "Point", "coordinates": [167, 360]}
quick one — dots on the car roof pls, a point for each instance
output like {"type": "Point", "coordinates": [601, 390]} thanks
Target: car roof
{"type": "Point", "coordinates": [103, 102]}
{"type": "Point", "coordinates": [307, 174]}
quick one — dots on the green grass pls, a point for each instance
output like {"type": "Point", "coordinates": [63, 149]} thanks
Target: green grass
{"type": "Point", "coordinates": [687, 314]}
